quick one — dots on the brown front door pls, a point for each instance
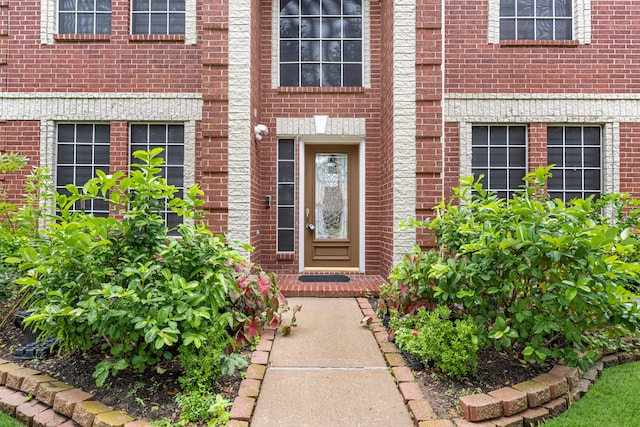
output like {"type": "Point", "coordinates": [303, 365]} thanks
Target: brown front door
{"type": "Point", "coordinates": [331, 239]}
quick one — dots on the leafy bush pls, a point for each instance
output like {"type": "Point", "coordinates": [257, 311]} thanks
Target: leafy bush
{"type": "Point", "coordinates": [538, 276]}
{"type": "Point", "coordinates": [120, 284]}
{"type": "Point", "coordinates": [430, 336]}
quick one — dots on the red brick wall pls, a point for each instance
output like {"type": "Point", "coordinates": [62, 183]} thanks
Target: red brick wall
{"type": "Point", "coordinates": [629, 159]}
{"type": "Point", "coordinates": [23, 138]}
{"type": "Point", "coordinates": [607, 65]}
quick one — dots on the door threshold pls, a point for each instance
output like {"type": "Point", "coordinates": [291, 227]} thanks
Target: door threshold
{"type": "Point", "coordinates": [331, 270]}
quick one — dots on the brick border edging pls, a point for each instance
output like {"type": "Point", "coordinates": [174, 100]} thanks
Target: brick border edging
{"type": "Point", "coordinates": [38, 400]}
{"type": "Point", "coordinates": [526, 404]}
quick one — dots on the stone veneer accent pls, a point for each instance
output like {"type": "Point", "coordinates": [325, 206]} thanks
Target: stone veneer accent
{"type": "Point", "coordinates": [240, 130]}
{"type": "Point", "coordinates": [404, 124]}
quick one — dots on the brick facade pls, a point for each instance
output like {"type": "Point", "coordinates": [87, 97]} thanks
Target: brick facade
{"type": "Point", "coordinates": [432, 70]}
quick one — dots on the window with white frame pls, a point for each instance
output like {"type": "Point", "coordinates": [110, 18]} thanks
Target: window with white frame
{"type": "Point", "coordinates": [576, 152]}
{"type": "Point", "coordinates": [84, 17]}
{"type": "Point", "coordinates": [81, 150]}
{"type": "Point", "coordinates": [158, 16]}
{"type": "Point", "coordinates": [499, 155]}
{"type": "Point", "coordinates": [536, 20]}
{"type": "Point", "coordinates": [169, 137]}
{"type": "Point", "coordinates": [321, 43]}
{"type": "Point", "coordinates": [286, 195]}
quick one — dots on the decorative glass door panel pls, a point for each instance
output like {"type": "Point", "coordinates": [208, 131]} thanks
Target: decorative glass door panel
{"type": "Point", "coordinates": [332, 207]}
{"type": "Point", "coordinates": [331, 223]}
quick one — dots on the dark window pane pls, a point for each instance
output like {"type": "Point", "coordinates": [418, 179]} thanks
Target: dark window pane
{"type": "Point", "coordinates": [331, 51]}
{"type": "Point", "coordinates": [286, 149]}
{"type": "Point", "coordinates": [101, 154]}
{"type": "Point", "coordinates": [310, 7]}
{"type": "Point", "coordinates": [515, 178]}
{"type": "Point", "coordinates": [497, 179]}
{"type": "Point", "coordinates": [352, 75]}
{"type": "Point", "coordinates": [591, 135]}
{"type": "Point", "coordinates": [331, 75]}
{"type": "Point", "coordinates": [157, 133]}
{"type": "Point", "coordinates": [102, 133]}
{"type": "Point", "coordinates": [286, 171]}
{"type": "Point", "coordinates": [563, 8]}
{"type": "Point", "coordinates": [289, 52]}
{"type": "Point", "coordinates": [507, 29]}
{"type": "Point", "coordinates": [100, 205]}
{"type": "Point", "coordinates": [555, 156]}
{"type": "Point", "coordinates": [498, 157]}
{"type": "Point", "coordinates": [176, 133]}
{"type": "Point", "coordinates": [310, 75]}
{"type": "Point", "coordinates": [352, 7]}
{"type": "Point", "coordinates": [525, 29]}
{"type": "Point", "coordinates": [67, 23]}
{"type": "Point", "coordinates": [352, 51]}
{"type": "Point", "coordinates": [103, 24]}
{"type": "Point", "coordinates": [177, 5]}
{"type": "Point", "coordinates": [480, 135]}
{"type": "Point", "coordinates": [573, 157]}
{"type": "Point", "coordinates": [310, 28]}
{"type": "Point", "coordinates": [84, 133]}
{"type": "Point", "coordinates": [158, 23]}
{"type": "Point", "coordinates": [285, 194]}
{"type": "Point", "coordinates": [353, 28]}
{"type": "Point", "coordinates": [498, 135]}
{"type": "Point", "coordinates": [83, 174]}
{"type": "Point", "coordinates": [483, 176]}
{"type": "Point", "coordinates": [66, 133]}
{"type": "Point", "coordinates": [289, 75]}
{"type": "Point", "coordinates": [480, 157]}
{"type": "Point", "coordinates": [544, 7]}
{"type": "Point", "coordinates": [309, 51]}
{"type": "Point", "coordinates": [331, 7]}
{"type": "Point", "coordinates": [138, 133]}
{"type": "Point", "coordinates": [517, 156]}
{"type": "Point", "coordinates": [140, 24]}
{"type": "Point", "coordinates": [556, 180]}
{"type": "Point", "coordinates": [286, 218]}
{"type": "Point", "coordinates": [175, 176]}
{"type": "Point", "coordinates": [85, 5]}
{"type": "Point", "coordinates": [507, 7]}
{"type": "Point", "coordinates": [524, 7]}
{"type": "Point", "coordinates": [573, 179]}
{"type": "Point", "coordinates": [67, 5]}
{"type": "Point", "coordinates": [84, 154]}
{"type": "Point", "coordinates": [176, 23]}
{"type": "Point", "coordinates": [592, 180]}
{"type": "Point", "coordinates": [289, 27]}
{"type": "Point", "coordinates": [564, 31]}
{"type": "Point", "coordinates": [173, 220]}
{"type": "Point", "coordinates": [85, 23]}
{"type": "Point", "coordinates": [544, 29]}
{"type": "Point", "coordinates": [517, 135]}
{"type": "Point", "coordinates": [140, 5]}
{"type": "Point", "coordinates": [159, 5]}
{"type": "Point", "coordinates": [65, 154]}
{"type": "Point", "coordinates": [592, 157]}
{"type": "Point", "coordinates": [573, 136]}
{"type": "Point", "coordinates": [554, 135]}
{"type": "Point", "coordinates": [64, 175]}
{"type": "Point", "coordinates": [103, 5]}
{"type": "Point", "coordinates": [175, 155]}
{"type": "Point", "coordinates": [332, 28]}
{"type": "Point", "coordinates": [285, 241]}
{"type": "Point", "coordinates": [289, 7]}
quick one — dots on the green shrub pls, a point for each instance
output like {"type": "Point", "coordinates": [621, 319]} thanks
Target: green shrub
{"type": "Point", "coordinates": [539, 277]}
{"type": "Point", "coordinates": [432, 338]}
{"type": "Point", "coordinates": [120, 284]}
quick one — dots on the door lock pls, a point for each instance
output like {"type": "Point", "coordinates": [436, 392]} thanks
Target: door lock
{"type": "Point", "coordinates": [311, 227]}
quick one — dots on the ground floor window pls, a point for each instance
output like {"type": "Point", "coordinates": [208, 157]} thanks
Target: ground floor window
{"type": "Point", "coordinates": [286, 195]}
{"type": "Point", "coordinates": [499, 155]}
{"type": "Point", "coordinates": [577, 155]}
{"type": "Point", "coordinates": [81, 150]}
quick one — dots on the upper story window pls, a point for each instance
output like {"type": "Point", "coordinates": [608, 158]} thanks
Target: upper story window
{"type": "Point", "coordinates": [158, 16]}
{"type": "Point", "coordinates": [499, 154]}
{"type": "Point", "coordinates": [321, 43]}
{"type": "Point", "coordinates": [536, 20]}
{"type": "Point", "coordinates": [577, 155]}
{"type": "Point", "coordinates": [84, 17]}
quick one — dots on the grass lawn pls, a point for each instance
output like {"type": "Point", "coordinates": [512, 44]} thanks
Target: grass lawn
{"type": "Point", "coordinates": [7, 421]}
{"type": "Point", "coordinates": [613, 401]}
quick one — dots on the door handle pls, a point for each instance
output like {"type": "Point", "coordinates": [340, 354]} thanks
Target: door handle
{"type": "Point", "coordinates": [310, 227]}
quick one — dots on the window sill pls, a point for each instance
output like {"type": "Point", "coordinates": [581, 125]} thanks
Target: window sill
{"type": "Point", "coordinates": [82, 37]}
{"type": "Point", "coordinates": [157, 38]}
{"type": "Point", "coordinates": [313, 89]}
{"type": "Point", "coordinates": [539, 43]}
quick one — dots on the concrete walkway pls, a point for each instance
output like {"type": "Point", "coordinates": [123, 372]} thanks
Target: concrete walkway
{"type": "Point", "coordinates": [328, 372]}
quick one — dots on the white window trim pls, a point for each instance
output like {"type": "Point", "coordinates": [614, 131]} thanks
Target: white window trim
{"type": "Point", "coordinates": [49, 21]}
{"type": "Point", "coordinates": [581, 21]}
{"type": "Point", "coordinates": [275, 45]}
